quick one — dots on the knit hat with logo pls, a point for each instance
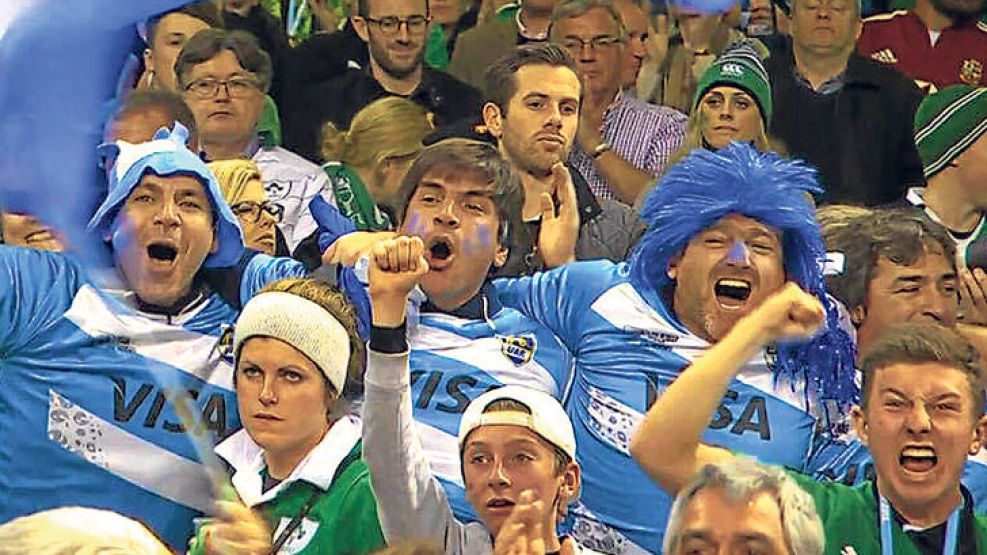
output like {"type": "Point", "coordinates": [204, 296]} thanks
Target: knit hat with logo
{"type": "Point", "coordinates": [741, 65]}
{"type": "Point", "coordinates": [947, 123]}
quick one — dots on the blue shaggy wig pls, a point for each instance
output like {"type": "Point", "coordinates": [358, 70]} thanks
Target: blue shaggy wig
{"type": "Point", "coordinates": [706, 186]}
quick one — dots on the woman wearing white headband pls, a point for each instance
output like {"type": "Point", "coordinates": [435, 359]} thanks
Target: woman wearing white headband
{"type": "Point", "coordinates": [297, 461]}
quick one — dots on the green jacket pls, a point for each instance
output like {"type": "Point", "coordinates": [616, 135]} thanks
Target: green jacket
{"type": "Point", "coordinates": [850, 519]}
{"type": "Point", "coordinates": [342, 519]}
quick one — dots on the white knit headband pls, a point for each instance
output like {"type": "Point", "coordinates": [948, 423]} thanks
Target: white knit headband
{"type": "Point", "coordinates": [300, 323]}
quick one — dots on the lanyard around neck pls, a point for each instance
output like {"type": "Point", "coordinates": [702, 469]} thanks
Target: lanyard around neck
{"type": "Point", "coordinates": [952, 530]}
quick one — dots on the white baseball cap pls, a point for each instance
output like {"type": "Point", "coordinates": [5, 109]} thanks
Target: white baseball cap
{"type": "Point", "coordinates": [547, 419]}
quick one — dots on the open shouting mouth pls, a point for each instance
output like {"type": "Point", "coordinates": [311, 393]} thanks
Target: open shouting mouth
{"type": "Point", "coordinates": [918, 459]}
{"type": "Point", "coordinates": [439, 252]}
{"type": "Point", "coordinates": [732, 293]}
{"type": "Point", "coordinates": [162, 253]}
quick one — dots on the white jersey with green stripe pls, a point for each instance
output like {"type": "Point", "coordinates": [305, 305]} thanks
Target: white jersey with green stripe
{"type": "Point", "coordinates": [966, 243]}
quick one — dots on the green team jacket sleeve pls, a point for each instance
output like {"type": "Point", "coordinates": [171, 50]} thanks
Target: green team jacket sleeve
{"type": "Point", "coordinates": [343, 521]}
{"type": "Point", "coordinates": [850, 519]}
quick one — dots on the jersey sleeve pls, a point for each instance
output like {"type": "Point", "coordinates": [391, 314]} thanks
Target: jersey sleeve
{"type": "Point", "coordinates": [411, 502]}
{"type": "Point", "coordinates": [36, 288]}
{"type": "Point", "coordinates": [262, 270]}
{"type": "Point", "coordinates": [558, 298]}
{"type": "Point", "coordinates": [867, 44]}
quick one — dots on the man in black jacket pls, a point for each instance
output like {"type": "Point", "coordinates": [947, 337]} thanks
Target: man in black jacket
{"type": "Point", "coordinates": [395, 33]}
{"type": "Point", "coordinates": [849, 116]}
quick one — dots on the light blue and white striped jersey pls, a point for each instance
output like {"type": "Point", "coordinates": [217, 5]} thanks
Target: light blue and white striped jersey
{"type": "Point", "coordinates": [456, 357]}
{"type": "Point", "coordinates": [85, 410]}
{"type": "Point", "coordinates": [627, 350]}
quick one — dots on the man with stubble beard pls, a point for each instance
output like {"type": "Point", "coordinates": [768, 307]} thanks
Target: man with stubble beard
{"type": "Point", "coordinates": [937, 43]}
{"type": "Point", "coordinates": [395, 32]}
{"type": "Point", "coordinates": [727, 229]}
{"type": "Point", "coordinates": [532, 108]}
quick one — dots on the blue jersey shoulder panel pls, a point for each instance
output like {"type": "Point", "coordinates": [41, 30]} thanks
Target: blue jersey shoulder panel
{"type": "Point", "coordinates": [87, 390]}
{"type": "Point", "coordinates": [628, 349]}
{"type": "Point", "coordinates": [454, 360]}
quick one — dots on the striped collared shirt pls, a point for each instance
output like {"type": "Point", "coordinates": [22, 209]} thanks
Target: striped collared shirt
{"type": "Point", "coordinates": [641, 133]}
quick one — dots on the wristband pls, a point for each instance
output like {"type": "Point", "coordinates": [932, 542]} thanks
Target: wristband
{"type": "Point", "coordinates": [600, 149]}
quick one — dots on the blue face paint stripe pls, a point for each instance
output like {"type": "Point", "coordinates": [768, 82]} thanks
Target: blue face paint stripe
{"type": "Point", "coordinates": [415, 225]}
{"type": "Point", "coordinates": [738, 253]}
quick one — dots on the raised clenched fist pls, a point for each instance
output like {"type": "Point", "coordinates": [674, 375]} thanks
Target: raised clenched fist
{"type": "Point", "coordinates": [396, 266]}
{"type": "Point", "coordinates": [790, 313]}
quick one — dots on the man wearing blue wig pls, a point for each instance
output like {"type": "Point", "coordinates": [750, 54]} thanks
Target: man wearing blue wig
{"type": "Point", "coordinates": [727, 230]}
{"type": "Point", "coordinates": [89, 371]}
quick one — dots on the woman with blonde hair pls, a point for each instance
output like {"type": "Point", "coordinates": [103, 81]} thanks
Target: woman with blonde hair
{"type": "Point", "coordinates": [367, 162]}
{"type": "Point", "coordinates": [243, 190]}
{"type": "Point", "coordinates": [732, 103]}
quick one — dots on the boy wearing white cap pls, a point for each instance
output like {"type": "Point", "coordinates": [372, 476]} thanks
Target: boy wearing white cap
{"type": "Point", "coordinates": [516, 445]}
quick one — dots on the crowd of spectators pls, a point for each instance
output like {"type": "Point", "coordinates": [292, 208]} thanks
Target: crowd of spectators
{"type": "Point", "coordinates": [553, 276]}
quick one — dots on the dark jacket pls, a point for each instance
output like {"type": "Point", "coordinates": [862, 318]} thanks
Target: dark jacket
{"type": "Point", "coordinates": [320, 59]}
{"type": "Point", "coordinates": [479, 47]}
{"type": "Point", "coordinates": [261, 24]}
{"type": "Point", "coordinates": [860, 138]}
{"type": "Point", "coordinates": [607, 229]}
{"type": "Point", "coordinates": [340, 99]}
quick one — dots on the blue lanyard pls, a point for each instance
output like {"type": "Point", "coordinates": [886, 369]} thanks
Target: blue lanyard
{"type": "Point", "coordinates": [952, 530]}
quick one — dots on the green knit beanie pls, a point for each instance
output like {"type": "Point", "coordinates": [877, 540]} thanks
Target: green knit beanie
{"type": "Point", "coordinates": [741, 65]}
{"type": "Point", "coordinates": [947, 123]}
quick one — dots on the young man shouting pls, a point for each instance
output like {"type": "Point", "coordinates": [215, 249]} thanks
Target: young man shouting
{"type": "Point", "coordinates": [921, 414]}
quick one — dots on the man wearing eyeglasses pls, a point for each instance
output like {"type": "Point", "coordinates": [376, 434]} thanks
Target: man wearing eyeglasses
{"type": "Point", "coordinates": [395, 32]}
{"type": "Point", "coordinates": [622, 143]}
{"type": "Point", "coordinates": [223, 76]}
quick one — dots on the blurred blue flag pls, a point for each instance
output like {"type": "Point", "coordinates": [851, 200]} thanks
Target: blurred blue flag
{"type": "Point", "coordinates": [704, 6]}
{"type": "Point", "coordinates": [59, 62]}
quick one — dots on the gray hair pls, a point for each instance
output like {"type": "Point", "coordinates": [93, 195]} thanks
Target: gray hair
{"type": "Point", "coordinates": [575, 8]}
{"type": "Point", "coordinates": [742, 478]}
{"type": "Point", "coordinates": [78, 530]}
{"type": "Point", "coordinates": [857, 6]}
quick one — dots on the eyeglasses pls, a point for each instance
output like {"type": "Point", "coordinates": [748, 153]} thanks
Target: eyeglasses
{"type": "Point", "coordinates": [390, 25]}
{"type": "Point", "coordinates": [251, 211]}
{"type": "Point", "coordinates": [575, 44]}
{"type": "Point", "coordinates": [236, 87]}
